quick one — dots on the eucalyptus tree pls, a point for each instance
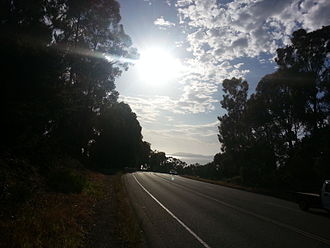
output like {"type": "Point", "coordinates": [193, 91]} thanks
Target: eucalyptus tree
{"type": "Point", "coordinates": [94, 50]}
{"type": "Point", "coordinates": [309, 53]}
{"type": "Point", "coordinates": [26, 73]}
{"type": "Point", "coordinates": [232, 129]}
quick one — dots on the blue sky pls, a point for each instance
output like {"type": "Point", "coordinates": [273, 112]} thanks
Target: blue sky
{"type": "Point", "coordinates": [213, 40]}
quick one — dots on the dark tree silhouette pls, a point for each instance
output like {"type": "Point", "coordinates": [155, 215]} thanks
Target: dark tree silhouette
{"type": "Point", "coordinates": [157, 161]}
{"type": "Point", "coordinates": [59, 62]}
{"type": "Point", "coordinates": [309, 53]}
{"type": "Point", "coordinates": [117, 139]}
{"type": "Point", "coordinates": [232, 129]}
{"type": "Point", "coordinates": [277, 136]}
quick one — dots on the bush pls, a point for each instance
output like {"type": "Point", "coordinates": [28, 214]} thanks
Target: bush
{"type": "Point", "coordinates": [234, 180]}
{"type": "Point", "coordinates": [66, 181]}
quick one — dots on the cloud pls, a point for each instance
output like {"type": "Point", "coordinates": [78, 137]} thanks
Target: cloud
{"type": "Point", "coordinates": [161, 127]}
{"type": "Point", "coordinates": [247, 27]}
{"type": "Point", "coordinates": [183, 137]}
{"type": "Point", "coordinates": [315, 13]}
{"type": "Point", "coordinates": [149, 109]}
{"type": "Point", "coordinates": [195, 99]}
{"type": "Point", "coordinates": [192, 155]}
{"type": "Point", "coordinates": [217, 33]}
{"type": "Point", "coordinates": [148, 1]}
{"type": "Point", "coordinates": [168, 2]}
{"type": "Point", "coordinates": [162, 23]}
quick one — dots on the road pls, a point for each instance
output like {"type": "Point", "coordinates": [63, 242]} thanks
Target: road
{"type": "Point", "coordinates": [180, 212]}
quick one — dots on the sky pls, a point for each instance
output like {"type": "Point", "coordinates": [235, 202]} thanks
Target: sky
{"type": "Point", "coordinates": [193, 45]}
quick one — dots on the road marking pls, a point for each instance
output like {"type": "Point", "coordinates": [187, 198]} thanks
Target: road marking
{"type": "Point", "coordinates": [176, 218]}
{"type": "Point", "coordinates": [239, 209]}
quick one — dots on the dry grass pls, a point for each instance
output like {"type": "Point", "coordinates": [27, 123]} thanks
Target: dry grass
{"type": "Point", "coordinates": [60, 220]}
{"type": "Point", "coordinates": [128, 223]}
{"type": "Point", "coordinates": [286, 195]}
{"type": "Point", "coordinates": [51, 219]}
{"type": "Point", "coordinates": [222, 183]}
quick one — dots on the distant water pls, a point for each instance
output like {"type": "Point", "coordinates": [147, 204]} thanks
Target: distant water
{"type": "Point", "coordinates": [192, 160]}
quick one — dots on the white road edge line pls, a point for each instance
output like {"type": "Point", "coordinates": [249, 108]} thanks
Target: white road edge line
{"type": "Point", "coordinates": [176, 218]}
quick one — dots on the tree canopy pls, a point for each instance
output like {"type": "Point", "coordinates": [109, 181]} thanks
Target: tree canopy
{"type": "Point", "coordinates": [59, 63]}
{"type": "Point", "coordinates": [276, 137]}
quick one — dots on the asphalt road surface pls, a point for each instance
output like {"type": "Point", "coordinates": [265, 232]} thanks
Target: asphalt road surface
{"type": "Point", "coordinates": [180, 212]}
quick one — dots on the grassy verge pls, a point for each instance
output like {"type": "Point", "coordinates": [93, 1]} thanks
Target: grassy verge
{"type": "Point", "coordinates": [279, 194]}
{"type": "Point", "coordinates": [129, 227]}
{"type": "Point", "coordinates": [51, 219]}
{"type": "Point", "coordinates": [222, 183]}
{"type": "Point", "coordinates": [65, 220]}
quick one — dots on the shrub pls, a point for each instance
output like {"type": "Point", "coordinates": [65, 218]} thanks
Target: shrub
{"type": "Point", "coordinates": [66, 181]}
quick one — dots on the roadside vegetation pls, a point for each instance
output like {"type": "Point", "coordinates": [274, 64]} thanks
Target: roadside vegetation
{"type": "Point", "coordinates": [61, 119]}
{"type": "Point", "coordinates": [277, 139]}
{"type": "Point", "coordinates": [49, 219]}
{"type": "Point", "coordinates": [54, 219]}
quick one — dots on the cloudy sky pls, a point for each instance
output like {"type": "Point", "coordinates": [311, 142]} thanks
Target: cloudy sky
{"type": "Point", "coordinates": [189, 47]}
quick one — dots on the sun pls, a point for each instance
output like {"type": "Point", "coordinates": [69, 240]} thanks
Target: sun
{"type": "Point", "coordinates": [157, 66]}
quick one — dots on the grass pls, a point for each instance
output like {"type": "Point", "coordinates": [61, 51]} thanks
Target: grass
{"type": "Point", "coordinates": [64, 220]}
{"type": "Point", "coordinates": [51, 219]}
{"type": "Point", "coordinates": [222, 183]}
{"type": "Point", "coordinates": [279, 194]}
{"type": "Point", "coordinates": [130, 229]}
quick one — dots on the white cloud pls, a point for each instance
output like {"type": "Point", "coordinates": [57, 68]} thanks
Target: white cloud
{"type": "Point", "coordinates": [247, 27]}
{"type": "Point", "coordinates": [162, 23]}
{"type": "Point", "coordinates": [165, 132]}
{"type": "Point", "coordinates": [148, 1]}
{"type": "Point", "coordinates": [169, 3]}
{"type": "Point", "coordinates": [218, 33]}
{"type": "Point", "coordinates": [185, 138]}
{"type": "Point", "coordinates": [149, 109]}
{"type": "Point", "coordinates": [315, 13]}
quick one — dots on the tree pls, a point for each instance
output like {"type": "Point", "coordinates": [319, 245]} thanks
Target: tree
{"type": "Point", "coordinates": [234, 100]}
{"type": "Point", "coordinates": [87, 36]}
{"type": "Point", "coordinates": [232, 129]}
{"type": "Point", "coordinates": [27, 91]}
{"type": "Point", "coordinates": [60, 61]}
{"type": "Point", "coordinates": [309, 53]}
{"type": "Point", "coordinates": [117, 141]}
{"type": "Point", "coordinates": [145, 155]}
{"type": "Point", "coordinates": [174, 164]}
{"type": "Point", "coordinates": [157, 161]}
{"type": "Point", "coordinates": [281, 105]}
{"type": "Point", "coordinates": [278, 133]}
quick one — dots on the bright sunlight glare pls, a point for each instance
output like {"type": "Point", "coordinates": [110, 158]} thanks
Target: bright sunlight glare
{"type": "Point", "coordinates": [157, 66]}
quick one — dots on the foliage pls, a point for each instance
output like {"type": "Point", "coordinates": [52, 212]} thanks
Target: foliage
{"type": "Point", "coordinates": [66, 181]}
{"type": "Point", "coordinates": [157, 161]}
{"type": "Point", "coordinates": [59, 96]}
{"type": "Point", "coordinates": [59, 106]}
{"type": "Point", "coordinates": [53, 220]}
{"type": "Point", "coordinates": [118, 140]}
{"type": "Point", "coordinates": [277, 136]}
